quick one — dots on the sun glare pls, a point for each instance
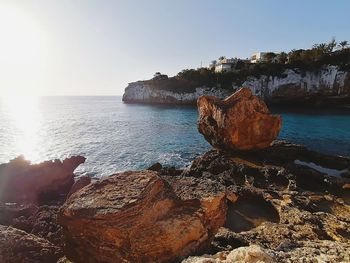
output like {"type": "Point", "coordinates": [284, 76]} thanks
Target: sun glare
{"type": "Point", "coordinates": [24, 113]}
{"type": "Point", "coordinates": [23, 52]}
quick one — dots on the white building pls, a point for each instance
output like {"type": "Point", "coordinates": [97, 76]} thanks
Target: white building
{"type": "Point", "coordinates": [258, 57]}
{"type": "Point", "coordinates": [225, 65]}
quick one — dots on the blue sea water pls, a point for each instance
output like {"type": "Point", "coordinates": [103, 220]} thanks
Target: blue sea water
{"type": "Point", "coordinates": [116, 137]}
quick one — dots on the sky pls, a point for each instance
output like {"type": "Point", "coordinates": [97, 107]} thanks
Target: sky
{"type": "Point", "coordinates": [97, 47]}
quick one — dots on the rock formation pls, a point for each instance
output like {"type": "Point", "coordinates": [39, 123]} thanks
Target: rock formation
{"type": "Point", "coordinates": [241, 121]}
{"type": "Point", "coordinates": [22, 182]}
{"type": "Point", "coordinates": [30, 197]}
{"type": "Point", "coordinates": [329, 86]}
{"type": "Point", "coordinates": [138, 217]}
{"type": "Point", "coordinates": [152, 93]}
{"type": "Point", "coordinates": [18, 246]}
{"type": "Point", "coordinates": [290, 210]}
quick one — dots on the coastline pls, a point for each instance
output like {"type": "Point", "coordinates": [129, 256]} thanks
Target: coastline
{"type": "Point", "coordinates": [293, 205]}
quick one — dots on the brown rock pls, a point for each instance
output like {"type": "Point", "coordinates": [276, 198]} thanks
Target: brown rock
{"type": "Point", "coordinates": [22, 182]}
{"type": "Point", "coordinates": [211, 194]}
{"type": "Point", "coordinates": [135, 217]}
{"type": "Point", "coordinates": [81, 182]}
{"type": "Point", "coordinates": [18, 246]}
{"type": "Point", "coordinates": [241, 121]}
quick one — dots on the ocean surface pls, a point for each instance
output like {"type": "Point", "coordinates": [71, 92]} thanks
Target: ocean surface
{"type": "Point", "coordinates": [115, 137]}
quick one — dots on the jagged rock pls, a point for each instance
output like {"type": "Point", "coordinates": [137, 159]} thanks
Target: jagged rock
{"type": "Point", "coordinates": [241, 121]}
{"type": "Point", "coordinates": [22, 182]}
{"type": "Point", "coordinates": [155, 167]}
{"type": "Point", "coordinates": [137, 217]}
{"type": "Point", "coordinates": [80, 182]}
{"type": "Point", "coordinates": [294, 212]}
{"type": "Point", "coordinates": [41, 221]}
{"type": "Point", "coordinates": [249, 254]}
{"type": "Point", "coordinates": [19, 246]}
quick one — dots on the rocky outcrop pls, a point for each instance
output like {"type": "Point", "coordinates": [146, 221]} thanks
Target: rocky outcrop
{"type": "Point", "coordinates": [151, 93]}
{"type": "Point", "coordinates": [22, 182]}
{"type": "Point", "coordinates": [292, 211]}
{"type": "Point", "coordinates": [328, 86]}
{"type": "Point", "coordinates": [139, 217]}
{"type": "Point", "coordinates": [239, 122]}
{"type": "Point", "coordinates": [18, 246]}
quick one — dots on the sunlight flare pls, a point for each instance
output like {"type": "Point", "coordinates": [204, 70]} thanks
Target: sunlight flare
{"type": "Point", "coordinates": [24, 113]}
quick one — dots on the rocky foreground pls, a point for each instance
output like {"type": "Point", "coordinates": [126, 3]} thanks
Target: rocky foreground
{"type": "Point", "coordinates": [265, 204]}
{"type": "Point", "coordinates": [280, 203]}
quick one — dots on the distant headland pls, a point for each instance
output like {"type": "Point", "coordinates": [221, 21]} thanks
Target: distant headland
{"type": "Point", "coordinates": [319, 76]}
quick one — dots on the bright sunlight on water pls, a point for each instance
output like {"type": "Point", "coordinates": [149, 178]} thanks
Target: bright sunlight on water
{"type": "Point", "coordinates": [116, 137]}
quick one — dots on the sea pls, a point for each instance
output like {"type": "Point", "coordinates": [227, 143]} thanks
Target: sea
{"type": "Point", "coordinates": [115, 137]}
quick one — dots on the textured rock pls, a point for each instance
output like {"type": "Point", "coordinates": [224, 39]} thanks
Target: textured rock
{"type": "Point", "coordinates": [18, 246]}
{"type": "Point", "coordinates": [80, 182]}
{"type": "Point", "coordinates": [211, 195]}
{"type": "Point", "coordinates": [241, 121]}
{"type": "Point", "coordinates": [137, 217]}
{"type": "Point", "coordinates": [293, 212]}
{"type": "Point", "coordinates": [22, 182]}
{"type": "Point", "coordinates": [250, 254]}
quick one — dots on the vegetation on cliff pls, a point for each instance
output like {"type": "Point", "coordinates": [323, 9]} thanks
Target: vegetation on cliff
{"type": "Point", "coordinates": [313, 59]}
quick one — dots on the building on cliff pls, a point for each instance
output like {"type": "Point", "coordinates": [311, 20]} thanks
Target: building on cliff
{"type": "Point", "coordinates": [226, 65]}
{"type": "Point", "coordinates": [258, 57]}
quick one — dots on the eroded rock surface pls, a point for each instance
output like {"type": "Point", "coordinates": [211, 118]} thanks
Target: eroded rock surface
{"type": "Point", "coordinates": [19, 246]}
{"type": "Point", "coordinates": [138, 217]}
{"type": "Point", "coordinates": [293, 212]}
{"type": "Point", "coordinates": [240, 122]}
{"type": "Point", "coordinates": [22, 182]}
{"type": "Point", "coordinates": [250, 254]}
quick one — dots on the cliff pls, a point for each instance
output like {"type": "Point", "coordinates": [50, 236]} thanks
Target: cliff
{"type": "Point", "coordinates": [154, 93]}
{"type": "Point", "coordinates": [327, 86]}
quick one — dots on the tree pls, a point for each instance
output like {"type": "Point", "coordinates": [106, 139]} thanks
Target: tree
{"type": "Point", "coordinates": [331, 45]}
{"type": "Point", "coordinates": [282, 58]}
{"type": "Point", "coordinates": [222, 58]}
{"type": "Point", "coordinates": [269, 56]}
{"type": "Point", "coordinates": [343, 44]}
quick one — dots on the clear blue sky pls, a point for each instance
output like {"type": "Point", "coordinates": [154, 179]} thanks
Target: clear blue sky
{"type": "Point", "coordinates": [87, 47]}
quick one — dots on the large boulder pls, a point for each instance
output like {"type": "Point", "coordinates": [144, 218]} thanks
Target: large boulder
{"type": "Point", "coordinates": [240, 122]}
{"type": "Point", "coordinates": [23, 182]}
{"type": "Point", "coordinates": [138, 217]}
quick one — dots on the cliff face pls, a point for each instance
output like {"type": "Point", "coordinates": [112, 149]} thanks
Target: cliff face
{"type": "Point", "coordinates": [327, 86]}
{"type": "Point", "coordinates": [143, 92]}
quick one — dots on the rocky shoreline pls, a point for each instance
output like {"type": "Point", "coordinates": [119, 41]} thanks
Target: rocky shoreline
{"type": "Point", "coordinates": [263, 202]}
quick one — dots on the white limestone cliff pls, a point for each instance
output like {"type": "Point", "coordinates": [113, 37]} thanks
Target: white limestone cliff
{"type": "Point", "coordinates": [329, 84]}
{"type": "Point", "coordinates": [141, 92]}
